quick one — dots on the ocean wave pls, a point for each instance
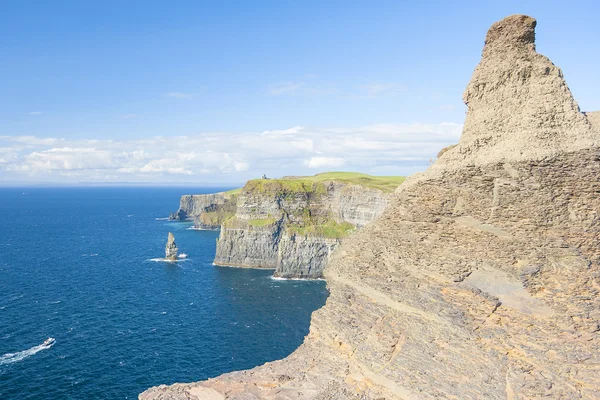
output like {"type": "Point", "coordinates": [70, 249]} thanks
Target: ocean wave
{"type": "Point", "coordinates": [10, 358]}
{"type": "Point", "coordinates": [182, 256]}
{"type": "Point", "coordinates": [195, 228]}
{"type": "Point", "coordinates": [161, 219]}
{"type": "Point", "coordinates": [166, 260]}
{"type": "Point", "coordinates": [278, 278]}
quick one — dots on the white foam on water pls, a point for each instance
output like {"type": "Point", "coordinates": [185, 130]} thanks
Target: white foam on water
{"type": "Point", "coordinates": [182, 255]}
{"type": "Point", "coordinates": [277, 278]}
{"type": "Point", "coordinates": [10, 358]}
{"type": "Point", "coordinates": [166, 260]}
{"type": "Point", "coordinates": [161, 219]}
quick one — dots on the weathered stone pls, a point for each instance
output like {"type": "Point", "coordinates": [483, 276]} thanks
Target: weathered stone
{"type": "Point", "coordinates": [274, 245]}
{"type": "Point", "coordinates": [481, 280]}
{"type": "Point", "coordinates": [192, 206]}
{"type": "Point", "coordinates": [171, 248]}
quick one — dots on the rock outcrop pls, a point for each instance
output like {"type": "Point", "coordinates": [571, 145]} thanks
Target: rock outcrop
{"type": "Point", "coordinates": [192, 206]}
{"type": "Point", "coordinates": [293, 226]}
{"type": "Point", "coordinates": [171, 248]}
{"type": "Point", "coordinates": [482, 279]}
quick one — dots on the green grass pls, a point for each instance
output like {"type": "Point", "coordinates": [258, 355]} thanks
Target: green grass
{"type": "Point", "coordinates": [215, 218]}
{"type": "Point", "coordinates": [261, 222]}
{"type": "Point", "coordinates": [329, 229]}
{"type": "Point", "coordinates": [314, 184]}
{"type": "Point", "coordinates": [383, 183]}
{"type": "Point", "coordinates": [234, 191]}
{"type": "Point", "coordinates": [307, 183]}
{"type": "Point", "coordinates": [285, 187]}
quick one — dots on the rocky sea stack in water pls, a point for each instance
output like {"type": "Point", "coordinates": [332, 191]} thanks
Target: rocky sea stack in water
{"type": "Point", "coordinates": [171, 248]}
{"type": "Point", "coordinates": [481, 279]}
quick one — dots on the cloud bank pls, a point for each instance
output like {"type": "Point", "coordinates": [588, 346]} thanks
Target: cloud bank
{"type": "Point", "coordinates": [224, 157]}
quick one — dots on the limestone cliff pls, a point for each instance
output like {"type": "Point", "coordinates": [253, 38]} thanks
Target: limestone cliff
{"type": "Point", "coordinates": [192, 206]}
{"type": "Point", "coordinates": [171, 248]}
{"type": "Point", "coordinates": [482, 279]}
{"type": "Point", "coordinates": [292, 225]}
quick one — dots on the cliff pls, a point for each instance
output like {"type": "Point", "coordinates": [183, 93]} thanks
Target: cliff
{"type": "Point", "coordinates": [481, 279]}
{"type": "Point", "coordinates": [191, 207]}
{"type": "Point", "coordinates": [293, 224]}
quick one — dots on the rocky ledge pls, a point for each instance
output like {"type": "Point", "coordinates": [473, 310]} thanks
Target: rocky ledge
{"type": "Point", "coordinates": [481, 280]}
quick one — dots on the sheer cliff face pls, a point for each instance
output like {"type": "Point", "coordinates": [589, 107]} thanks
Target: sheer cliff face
{"type": "Point", "coordinates": [482, 278]}
{"type": "Point", "coordinates": [269, 229]}
{"type": "Point", "coordinates": [192, 206]}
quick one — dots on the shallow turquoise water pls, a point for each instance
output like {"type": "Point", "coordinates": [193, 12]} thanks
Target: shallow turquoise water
{"type": "Point", "coordinates": [74, 265]}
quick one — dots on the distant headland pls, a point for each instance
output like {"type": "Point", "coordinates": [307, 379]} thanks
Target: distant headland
{"type": "Point", "coordinates": [291, 224]}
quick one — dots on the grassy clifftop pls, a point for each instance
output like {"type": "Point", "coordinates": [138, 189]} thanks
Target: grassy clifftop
{"type": "Point", "coordinates": [313, 184]}
{"type": "Point", "coordinates": [384, 183]}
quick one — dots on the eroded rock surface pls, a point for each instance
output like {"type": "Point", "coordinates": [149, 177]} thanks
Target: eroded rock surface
{"type": "Point", "coordinates": [293, 226]}
{"type": "Point", "coordinates": [191, 206]}
{"type": "Point", "coordinates": [482, 279]}
{"type": "Point", "coordinates": [171, 248]}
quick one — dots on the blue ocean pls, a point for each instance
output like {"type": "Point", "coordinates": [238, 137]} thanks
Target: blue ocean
{"type": "Point", "coordinates": [76, 264]}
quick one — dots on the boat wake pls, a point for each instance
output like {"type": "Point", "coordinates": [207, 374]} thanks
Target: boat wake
{"type": "Point", "coordinates": [161, 219]}
{"type": "Point", "coordinates": [167, 260]}
{"type": "Point", "coordinates": [10, 358]}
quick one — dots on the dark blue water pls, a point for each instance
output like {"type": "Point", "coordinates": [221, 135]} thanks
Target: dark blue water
{"type": "Point", "coordinates": [74, 266]}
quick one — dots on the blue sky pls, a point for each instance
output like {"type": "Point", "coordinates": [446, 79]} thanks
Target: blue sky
{"type": "Point", "coordinates": [222, 91]}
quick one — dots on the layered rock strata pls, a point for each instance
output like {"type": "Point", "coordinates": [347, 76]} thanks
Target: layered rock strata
{"type": "Point", "coordinates": [192, 206]}
{"type": "Point", "coordinates": [482, 279]}
{"type": "Point", "coordinates": [293, 226]}
{"type": "Point", "coordinates": [171, 248]}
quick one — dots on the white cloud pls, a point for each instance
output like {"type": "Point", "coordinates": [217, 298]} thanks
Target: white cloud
{"type": "Point", "coordinates": [179, 95]}
{"type": "Point", "coordinates": [221, 157]}
{"type": "Point", "coordinates": [240, 166]}
{"type": "Point", "coordinates": [285, 88]}
{"type": "Point", "coordinates": [34, 113]}
{"type": "Point", "coordinates": [295, 129]}
{"type": "Point", "coordinates": [325, 162]}
{"type": "Point", "coordinates": [30, 141]}
{"type": "Point", "coordinates": [68, 158]}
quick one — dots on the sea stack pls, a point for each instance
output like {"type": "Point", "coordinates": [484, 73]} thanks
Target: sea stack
{"type": "Point", "coordinates": [480, 280]}
{"type": "Point", "coordinates": [171, 248]}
